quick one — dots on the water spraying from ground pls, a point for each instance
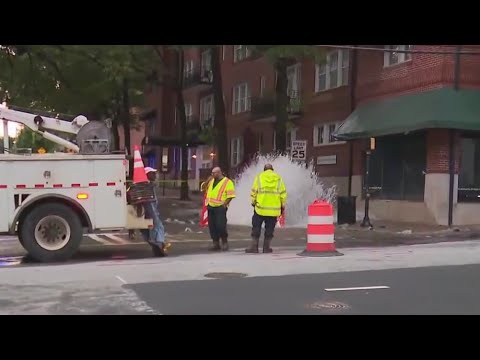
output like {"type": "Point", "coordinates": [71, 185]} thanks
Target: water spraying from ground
{"type": "Point", "coordinates": [303, 187]}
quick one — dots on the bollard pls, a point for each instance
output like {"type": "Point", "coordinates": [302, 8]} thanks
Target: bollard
{"type": "Point", "coordinates": [320, 231]}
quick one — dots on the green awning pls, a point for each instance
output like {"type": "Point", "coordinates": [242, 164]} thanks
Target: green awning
{"type": "Point", "coordinates": [444, 108]}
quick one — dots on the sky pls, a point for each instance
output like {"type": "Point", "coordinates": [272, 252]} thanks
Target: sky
{"type": "Point", "coordinates": [13, 128]}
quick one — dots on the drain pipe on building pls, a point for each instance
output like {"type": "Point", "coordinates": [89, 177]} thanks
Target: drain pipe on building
{"type": "Point", "coordinates": [353, 85]}
{"type": "Point", "coordinates": [452, 150]}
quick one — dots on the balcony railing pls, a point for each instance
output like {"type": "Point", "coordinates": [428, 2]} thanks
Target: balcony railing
{"type": "Point", "coordinates": [198, 76]}
{"type": "Point", "coordinates": [264, 107]}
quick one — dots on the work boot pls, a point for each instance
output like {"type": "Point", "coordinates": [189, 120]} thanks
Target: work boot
{"type": "Point", "coordinates": [266, 246]}
{"type": "Point", "coordinates": [253, 249]}
{"type": "Point", "coordinates": [158, 250]}
{"type": "Point", "coordinates": [215, 247]}
{"type": "Point", "coordinates": [225, 244]}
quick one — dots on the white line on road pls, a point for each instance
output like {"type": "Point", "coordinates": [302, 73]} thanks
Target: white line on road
{"type": "Point", "coordinates": [116, 238]}
{"type": "Point", "coordinates": [99, 239]}
{"type": "Point", "coordinates": [359, 288]}
{"type": "Point", "coordinates": [121, 280]}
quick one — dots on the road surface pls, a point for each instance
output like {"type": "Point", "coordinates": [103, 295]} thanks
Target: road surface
{"type": "Point", "coordinates": [418, 279]}
{"type": "Point", "coordinates": [420, 291]}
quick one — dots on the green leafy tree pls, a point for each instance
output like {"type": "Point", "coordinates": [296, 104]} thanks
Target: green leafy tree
{"type": "Point", "coordinates": [27, 139]}
{"type": "Point", "coordinates": [280, 57]}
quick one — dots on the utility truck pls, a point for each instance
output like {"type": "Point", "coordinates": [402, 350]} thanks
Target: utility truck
{"type": "Point", "coordinates": [51, 200]}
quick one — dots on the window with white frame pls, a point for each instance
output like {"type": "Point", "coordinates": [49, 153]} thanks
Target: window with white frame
{"type": "Point", "coordinates": [262, 85]}
{"type": "Point", "coordinates": [236, 151]}
{"type": "Point", "coordinates": [323, 134]}
{"type": "Point", "coordinates": [189, 112]}
{"type": "Point", "coordinates": [334, 72]}
{"type": "Point", "coordinates": [291, 136]}
{"type": "Point", "coordinates": [207, 110]}
{"type": "Point", "coordinates": [241, 98]}
{"type": "Point", "coordinates": [206, 66]}
{"type": "Point", "coordinates": [188, 69]}
{"type": "Point", "coordinates": [189, 157]}
{"type": "Point", "coordinates": [240, 52]}
{"type": "Point", "coordinates": [393, 57]}
{"type": "Point", "coordinates": [293, 84]}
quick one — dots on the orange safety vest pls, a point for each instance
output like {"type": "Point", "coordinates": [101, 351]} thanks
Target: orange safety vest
{"type": "Point", "coordinates": [223, 191]}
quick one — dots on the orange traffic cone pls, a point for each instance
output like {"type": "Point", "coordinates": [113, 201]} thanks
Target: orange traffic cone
{"type": "Point", "coordinates": [204, 213]}
{"type": "Point", "coordinates": [139, 175]}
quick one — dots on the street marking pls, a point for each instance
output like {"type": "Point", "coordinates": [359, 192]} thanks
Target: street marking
{"type": "Point", "coordinates": [117, 239]}
{"type": "Point", "coordinates": [359, 288]}
{"type": "Point", "coordinates": [99, 239]}
{"type": "Point", "coordinates": [121, 280]}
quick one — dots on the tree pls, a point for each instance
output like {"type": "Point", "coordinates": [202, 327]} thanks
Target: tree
{"type": "Point", "coordinates": [27, 139]}
{"type": "Point", "coordinates": [98, 81]}
{"type": "Point", "coordinates": [280, 57]}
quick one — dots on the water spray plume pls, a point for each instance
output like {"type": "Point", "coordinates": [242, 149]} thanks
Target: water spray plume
{"type": "Point", "coordinates": [303, 187]}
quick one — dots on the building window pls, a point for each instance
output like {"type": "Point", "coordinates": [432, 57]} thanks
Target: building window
{"type": "Point", "coordinates": [206, 66]}
{"type": "Point", "coordinates": [152, 127]}
{"type": "Point", "coordinates": [241, 99]}
{"type": "Point", "coordinates": [397, 167]}
{"type": "Point", "coordinates": [293, 76]}
{"type": "Point", "coordinates": [207, 110]}
{"type": "Point", "coordinates": [240, 52]}
{"type": "Point", "coordinates": [188, 112]}
{"type": "Point", "coordinates": [262, 86]}
{"type": "Point", "coordinates": [259, 141]}
{"type": "Point", "coordinates": [323, 134]}
{"type": "Point", "coordinates": [393, 58]}
{"type": "Point", "coordinates": [188, 69]}
{"type": "Point", "coordinates": [190, 153]}
{"type": "Point", "coordinates": [291, 136]}
{"type": "Point", "coordinates": [334, 72]}
{"type": "Point", "coordinates": [224, 48]}
{"type": "Point", "coordinates": [236, 151]}
{"type": "Point", "coordinates": [469, 175]}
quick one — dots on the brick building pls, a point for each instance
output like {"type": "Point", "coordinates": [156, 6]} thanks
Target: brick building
{"type": "Point", "coordinates": [418, 106]}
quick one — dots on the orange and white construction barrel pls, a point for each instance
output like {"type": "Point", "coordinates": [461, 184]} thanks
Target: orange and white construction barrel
{"type": "Point", "coordinates": [320, 230]}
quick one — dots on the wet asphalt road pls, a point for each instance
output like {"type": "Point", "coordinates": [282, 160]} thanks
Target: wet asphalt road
{"type": "Point", "coordinates": [13, 254]}
{"type": "Point", "coordinates": [416, 291]}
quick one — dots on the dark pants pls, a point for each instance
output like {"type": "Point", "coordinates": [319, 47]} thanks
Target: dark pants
{"type": "Point", "coordinates": [258, 220]}
{"type": "Point", "coordinates": [217, 223]}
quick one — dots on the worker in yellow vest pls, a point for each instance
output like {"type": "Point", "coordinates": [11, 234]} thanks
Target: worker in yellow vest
{"type": "Point", "coordinates": [220, 191]}
{"type": "Point", "coordinates": [269, 197]}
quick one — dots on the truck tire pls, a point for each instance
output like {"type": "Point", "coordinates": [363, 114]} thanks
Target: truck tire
{"type": "Point", "coordinates": [51, 233]}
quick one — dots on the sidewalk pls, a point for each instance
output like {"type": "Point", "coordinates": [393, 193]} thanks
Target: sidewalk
{"type": "Point", "coordinates": [181, 222]}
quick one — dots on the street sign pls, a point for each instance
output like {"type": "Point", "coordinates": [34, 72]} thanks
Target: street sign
{"type": "Point", "coordinates": [299, 150]}
{"type": "Point", "coordinates": [41, 151]}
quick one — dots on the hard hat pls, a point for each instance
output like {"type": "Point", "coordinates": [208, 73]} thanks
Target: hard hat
{"type": "Point", "coordinates": [149, 170]}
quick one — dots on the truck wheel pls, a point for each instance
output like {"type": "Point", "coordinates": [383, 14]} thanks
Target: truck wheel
{"type": "Point", "coordinates": [51, 232]}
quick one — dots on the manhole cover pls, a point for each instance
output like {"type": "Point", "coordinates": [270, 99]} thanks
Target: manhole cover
{"type": "Point", "coordinates": [225, 275]}
{"type": "Point", "coordinates": [328, 306]}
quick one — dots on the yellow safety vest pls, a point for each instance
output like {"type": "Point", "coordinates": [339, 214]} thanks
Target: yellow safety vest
{"type": "Point", "coordinates": [268, 194]}
{"type": "Point", "coordinates": [223, 191]}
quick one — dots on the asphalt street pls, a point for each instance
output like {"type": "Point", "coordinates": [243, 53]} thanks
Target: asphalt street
{"type": "Point", "coordinates": [416, 279]}
{"type": "Point", "coordinates": [444, 290]}
{"type": "Point", "coordinates": [105, 246]}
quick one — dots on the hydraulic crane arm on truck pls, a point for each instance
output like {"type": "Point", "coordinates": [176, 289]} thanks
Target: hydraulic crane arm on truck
{"type": "Point", "coordinates": [50, 200]}
{"type": "Point", "coordinates": [41, 124]}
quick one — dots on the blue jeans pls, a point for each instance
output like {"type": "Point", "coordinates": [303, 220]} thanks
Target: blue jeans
{"type": "Point", "coordinates": [157, 234]}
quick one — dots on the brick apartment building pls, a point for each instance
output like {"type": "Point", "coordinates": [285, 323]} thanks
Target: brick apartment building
{"type": "Point", "coordinates": [407, 101]}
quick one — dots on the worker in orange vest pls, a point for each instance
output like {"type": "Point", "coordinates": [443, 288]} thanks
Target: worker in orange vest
{"type": "Point", "coordinates": [220, 192]}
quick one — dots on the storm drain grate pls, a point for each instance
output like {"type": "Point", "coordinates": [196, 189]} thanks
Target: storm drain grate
{"type": "Point", "coordinates": [328, 306]}
{"type": "Point", "coordinates": [225, 275]}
